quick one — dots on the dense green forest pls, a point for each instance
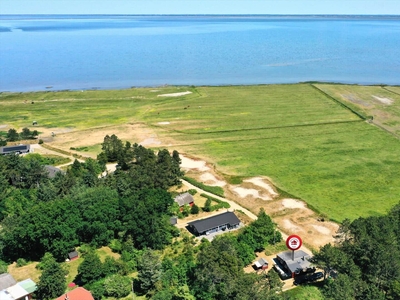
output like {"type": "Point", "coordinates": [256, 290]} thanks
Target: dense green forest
{"type": "Point", "coordinates": [129, 210]}
{"type": "Point", "coordinates": [365, 263]}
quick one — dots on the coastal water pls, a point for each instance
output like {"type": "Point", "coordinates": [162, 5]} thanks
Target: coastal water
{"type": "Point", "coordinates": [85, 52]}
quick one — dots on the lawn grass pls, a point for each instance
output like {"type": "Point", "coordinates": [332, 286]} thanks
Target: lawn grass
{"type": "Point", "coordinates": [103, 252]}
{"type": "Point", "coordinates": [308, 292]}
{"type": "Point", "coordinates": [310, 145]}
{"type": "Point", "coordinates": [274, 249]}
{"type": "Point", "coordinates": [72, 267]}
{"type": "Point", "coordinates": [27, 271]}
{"type": "Point", "coordinates": [89, 149]}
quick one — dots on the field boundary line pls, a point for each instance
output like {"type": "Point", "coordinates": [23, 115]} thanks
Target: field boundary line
{"type": "Point", "coordinates": [390, 91]}
{"type": "Point", "coordinates": [67, 153]}
{"type": "Point", "coordinates": [271, 127]}
{"type": "Point", "coordinates": [383, 128]}
{"type": "Point", "coordinates": [339, 102]}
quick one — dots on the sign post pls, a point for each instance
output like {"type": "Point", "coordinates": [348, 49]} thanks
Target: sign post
{"type": "Point", "coordinates": [293, 242]}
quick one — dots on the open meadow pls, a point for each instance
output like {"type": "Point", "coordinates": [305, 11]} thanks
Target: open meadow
{"type": "Point", "coordinates": [381, 102]}
{"type": "Point", "coordinates": [306, 142]}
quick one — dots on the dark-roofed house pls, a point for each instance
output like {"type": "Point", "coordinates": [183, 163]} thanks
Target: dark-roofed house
{"type": "Point", "coordinates": [299, 265]}
{"type": "Point", "coordinates": [227, 220]}
{"type": "Point", "coordinates": [52, 171]}
{"type": "Point", "coordinates": [184, 199]}
{"type": "Point", "coordinates": [73, 255]}
{"type": "Point", "coordinates": [17, 149]}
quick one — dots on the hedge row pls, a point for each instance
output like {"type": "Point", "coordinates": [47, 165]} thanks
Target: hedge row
{"type": "Point", "coordinates": [220, 203]}
{"type": "Point", "coordinates": [216, 190]}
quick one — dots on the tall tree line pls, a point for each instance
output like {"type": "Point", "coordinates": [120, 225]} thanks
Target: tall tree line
{"type": "Point", "coordinates": [365, 263]}
{"type": "Point", "coordinates": [39, 214]}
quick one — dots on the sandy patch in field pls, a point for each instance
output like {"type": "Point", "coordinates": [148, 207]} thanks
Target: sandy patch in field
{"type": "Point", "coordinates": [244, 192]}
{"type": "Point", "coordinates": [291, 227]}
{"type": "Point", "coordinates": [163, 123]}
{"type": "Point", "coordinates": [259, 182]}
{"type": "Point", "coordinates": [188, 163]}
{"type": "Point", "coordinates": [322, 229]}
{"type": "Point", "coordinates": [210, 179]}
{"type": "Point", "coordinates": [3, 126]}
{"type": "Point", "coordinates": [150, 141]}
{"type": "Point", "coordinates": [175, 94]}
{"type": "Point", "coordinates": [354, 99]}
{"type": "Point", "coordinates": [292, 203]}
{"type": "Point", "coordinates": [134, 133]}
{"type": "Point", "coordinates": [383, 100]}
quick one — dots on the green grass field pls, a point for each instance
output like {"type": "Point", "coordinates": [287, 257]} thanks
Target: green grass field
{"type": "Point", "coordinates": [76, 109]}
{"type": "Point", "coordinates": [308, 144]}
{"type": "Point", "coordinates": [308, 292]}
{"type": "Point", "coordinates": [383, 103]}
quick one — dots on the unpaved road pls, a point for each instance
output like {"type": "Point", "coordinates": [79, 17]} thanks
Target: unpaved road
{"type": "Point", "coordinates": [236, 206]}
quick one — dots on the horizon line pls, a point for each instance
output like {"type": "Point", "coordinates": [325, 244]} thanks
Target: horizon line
{"type": "Point", "coordinates": [191, 14]}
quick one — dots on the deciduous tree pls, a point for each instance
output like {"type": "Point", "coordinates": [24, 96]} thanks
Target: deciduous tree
{"type": "Point", "coordinates": [117, 286]}
{"type": "Point", "coordinates": [52, 281]}
{"type": "Point", "coordinates": [12, 135]}
{"type": "Point", "coordinates": [91, 269]}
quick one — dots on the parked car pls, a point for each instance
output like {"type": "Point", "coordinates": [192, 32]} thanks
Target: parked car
{"type": "Point", "coordinates": [308, 278]}
{"type": "Point", "coordinates": [300, 280]}
{"type": "Point", "coordinates": [316, 276]}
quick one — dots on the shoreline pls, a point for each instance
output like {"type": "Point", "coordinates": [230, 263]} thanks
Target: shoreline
{"type": "Point", "coordinates": [48, 89]}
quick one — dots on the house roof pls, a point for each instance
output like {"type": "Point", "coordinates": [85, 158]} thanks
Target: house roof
{"type": "Point", "coordinates": [183, 199]}
{"type": "Point", "coordinates": [215, 221]}
{"type": "Point", "coordinates": [52, 171]}
{"type": "Point", "coordinates": [301, 260]}
{"type": "Point", "coordinates": [77, 294]}
{"type": "Point", "coordinates": [11, 290]}
{"type": "Point", "coordinates": [4, 295]}
{"type": "Point", "coordinates": [16, 291]}
{"type": "Point", "coordinates": [173, 220]}
{"type": "Point", "coordinates": [7, 149]}
{"type": "Point", "coordinates": [261, 262]}
{"type": "Point", "coordinates": [287, 255]}
{"type": "Point", "coordinates": [6, 280]}
{"type": "Point", "coordinates": [73, 254]}
{"type": "Point", "coordinates": [29, 285]}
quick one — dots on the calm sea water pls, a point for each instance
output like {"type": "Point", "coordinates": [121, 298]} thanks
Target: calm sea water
{"type": "Point", "coordinates": [84, 52]}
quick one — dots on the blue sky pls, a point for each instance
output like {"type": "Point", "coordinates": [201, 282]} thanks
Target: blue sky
{"type": "Point", "coordinates": [200, 7]}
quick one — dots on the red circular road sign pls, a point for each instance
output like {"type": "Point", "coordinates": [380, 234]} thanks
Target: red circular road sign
{"type": "Point", "coordinates": [294, 242]}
